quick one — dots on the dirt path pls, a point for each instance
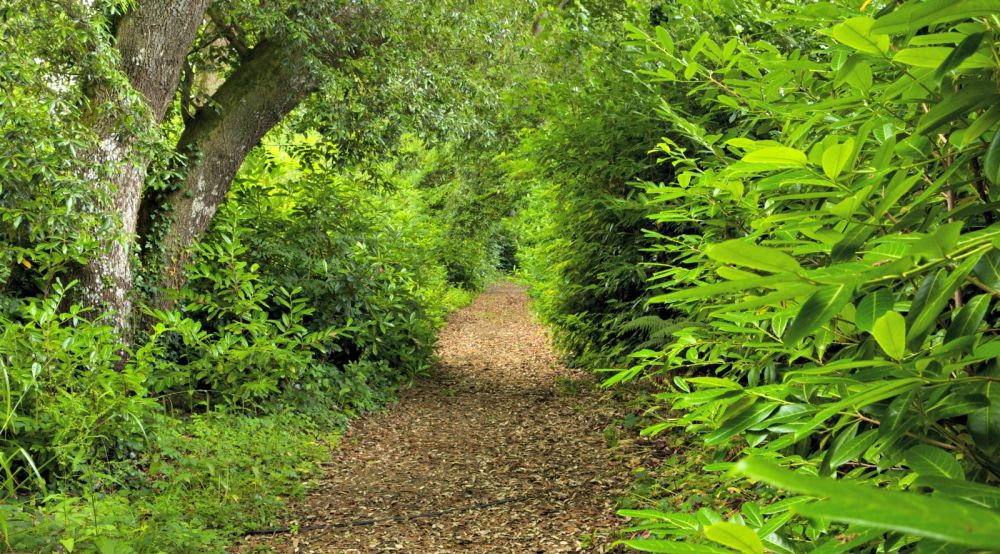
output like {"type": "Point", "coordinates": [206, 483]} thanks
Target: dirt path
{"type": "Point", "coordinates": [495, 452]}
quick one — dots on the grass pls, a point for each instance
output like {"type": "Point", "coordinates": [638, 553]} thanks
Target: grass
{"type": "Point", "coordinates": [206, 479]}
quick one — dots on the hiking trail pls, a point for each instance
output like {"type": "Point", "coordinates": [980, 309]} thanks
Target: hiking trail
{"type": "Point", "coordinates": [500, 449]}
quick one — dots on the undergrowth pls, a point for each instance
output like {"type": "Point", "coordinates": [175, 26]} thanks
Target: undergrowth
{"type": "Point", "coordinates": [205, 478]}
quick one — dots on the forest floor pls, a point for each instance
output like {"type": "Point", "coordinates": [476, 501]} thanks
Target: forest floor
{"type": "Point", "coordinates": [500, 449]}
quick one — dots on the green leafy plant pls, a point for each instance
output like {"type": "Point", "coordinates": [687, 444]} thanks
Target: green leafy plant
{"type": "Point", "coordinates": [838, 296]}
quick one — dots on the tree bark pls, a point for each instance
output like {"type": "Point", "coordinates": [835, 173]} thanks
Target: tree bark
{"type": "Point", "coordinates": [153, 41]}
{"type": "Point", "coordinates": [269, 84]}
{"type": "Point", "coordinates": [271, 79]}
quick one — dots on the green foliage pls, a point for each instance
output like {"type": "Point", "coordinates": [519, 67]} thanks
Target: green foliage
{"type": "Point", "coordinates": [44, 228]}
{"type": "Point", "coordinates": [66, 404]}
{"type": "Point", "coordinates": [581, 228]}
{"type": "Point", "coordinates": [838, 292]}
{"type": "Point", "coordinates": [342, 246]}
{"type": "Point", "coordinates": [316, 290]}
{"type": "Point", "coordinates": [204, 479]}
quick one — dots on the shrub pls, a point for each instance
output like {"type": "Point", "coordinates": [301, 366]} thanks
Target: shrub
{"type": "Point", "coordinates": [839, 296]}
{"type": "Point", "coordinates": [582, 238]}
{"type": "Point", "coordinates": [66, 405]}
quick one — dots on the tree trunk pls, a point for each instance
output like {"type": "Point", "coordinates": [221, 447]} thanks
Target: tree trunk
{"type": "Point", "coordinates": [266, 86]}
{"type": "Point", "coordinates": [153, 41]}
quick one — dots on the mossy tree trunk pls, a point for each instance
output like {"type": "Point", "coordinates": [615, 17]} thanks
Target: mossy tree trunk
{"type": "Point", "coordinates": [267, 85]}
{"type": "Point", "coordinates": [152, 41]}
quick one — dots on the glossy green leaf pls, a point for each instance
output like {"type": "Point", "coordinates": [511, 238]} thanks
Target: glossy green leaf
{"type": "Point", "coordinates": [872, 393]}
{"type": "Point", "coordinates": [747, 254]}
{"type": "Point", "coordinates": [857, 33]}
{"type": "Point", "coordinates": [981, 125]}
{"type": "Point", "coordinates": [910, 513]}
{"type": "Point", "coordinates": [984, 424]}
{"type": "Point", "coordinates": [777, 156]}
{"type": "Point", "coordinates": [931, 461]}
{"type": "Point", "coordinates": [724, 287]}
{"type": "Point", "coordinates": [991, 165]}
{"type": "Point", "coordinates": [957, 104]}
{"type": "Point", "coordinates": [735, 536]}
{"type": "Point", "coordinates": [987, 270]}
{"type": "Point", "coordinates": [857, 73]}
{"type": "Point", "coordinates": [871, 307]}
{"type": "Point", "coordinates": [940, 242]}
{"type": "Point", "coordinates": [818, 310]}
{"type": "Point", "coordinates": [741, 422]}
{"type": "Point", "coordinates": [937, 57]}
{"type": "Point", "coordinates": [963, 51]}
{"type": "Point", "coordinates": [837, 158]}
{"type": "Point", "coordinates": [889, 331]}
{"type": "Point", "coordinates": [936, 292]}
{"type": "Point", "coordinates": [672, 547]}
{"type": "Point", "coordinates": [968, 318]}
{"type": "Point", "coordinates": [976, 493]}
{"type": "Point", "coordinates": [850, 449]}
{"type": "Point", "coordinates": [913, 16]}
{"type": "Point", "coordinates": [678, 520]}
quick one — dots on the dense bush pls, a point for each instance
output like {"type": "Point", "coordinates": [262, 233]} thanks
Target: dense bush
{"type": "Point", "coordinates": [582, 226]}
{"type": "Point", "coordinates": [839, 290]}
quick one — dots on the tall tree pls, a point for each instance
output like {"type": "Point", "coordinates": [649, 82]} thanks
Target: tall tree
{"type": "Point", "coordinates": [152, 42]}
{"type": "Point", "coordinates": [272, 67]}
{"type": "Point", "coordinates": [266, 82]}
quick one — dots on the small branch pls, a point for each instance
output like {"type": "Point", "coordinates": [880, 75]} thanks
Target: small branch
{"type": "Point", "coordinates": [981, 285]}
{"type": "Point", "coordinates": [981, 188]}
{"type": "Point", "coordinates": [228, 32]}
{"type": "Point", "coordinates": [187, 84]}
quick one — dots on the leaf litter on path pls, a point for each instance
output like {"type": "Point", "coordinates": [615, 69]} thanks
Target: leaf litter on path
{"type": "Point", "coordinates": [484, 455]}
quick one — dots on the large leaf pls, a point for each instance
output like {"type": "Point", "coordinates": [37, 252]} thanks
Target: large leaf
{"type": "Point", "coordinates": [924, 516]}
{"type": "Point", "coordinates": [724, 287]}
{"type": "Point", "coordinates": [964, 50]}
{"type": "Point", "coordinates": [976, 493]}
{"type": "Point", "coordinates": [956, 104]}
{"type": "Point", "coordinates": [680, 521]}
{"type": "Point", "coordinates": [817, 310]}
{"type": "Point", "coordinates": [912, 16]}
{"type": "Point", "coordinates": [968, 319]}
{"type": "Point", "coordinates": [672, 547]}
{"type": "Point", "coordinates": [941, 57]}
{"type": "Point", "coordinates": [747, 254]}
{"type": "Point", "coordinates": [837, 157]}
{"type": "Point", "coordinates": [926, 308]}
{"type": "Point", "coordinates": [872, 307]}
{"type": "Point", "coordinates": [735, 536]}
{"type": "Point", "coordinates": [777, 157]}
{"type": "Point", "coordinates": [741, 422]}
{"type": "Point", "coordinates": [930, 461]}
{"type": "Point", "coordinates": [987, 270]}
{"type": "Point", "coordinates": [857, 33]}
{"type": "Point", "coordinates": [983, 123]}
{"type": "Point", "coordinates": [939, 243]}
{"type": "Point", "coordinates": [889, 331]}
{"type": "Point", "coordinates": [984, 424]}
{"type": "Point", "coordinates": [991, 165]}
{"type": "Point", "coordinates": [872, 393]}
